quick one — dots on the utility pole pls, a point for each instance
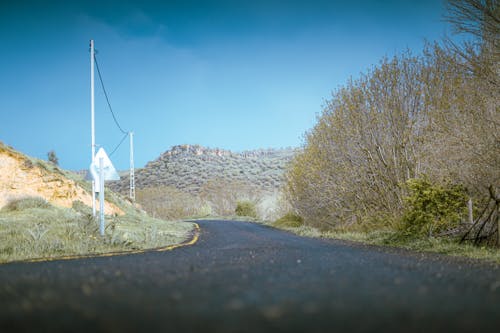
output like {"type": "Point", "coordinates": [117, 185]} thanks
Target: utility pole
{"type": "Point", "coordinates": [92, 118]}
{"type": "Point", "coordinates": [132, 175]}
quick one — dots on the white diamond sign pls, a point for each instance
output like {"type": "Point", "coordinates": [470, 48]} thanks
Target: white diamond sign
{"type": "Point", "coordinates": [109, 170]}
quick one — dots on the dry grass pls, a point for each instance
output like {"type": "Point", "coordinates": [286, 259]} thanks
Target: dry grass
{"type": "Point", "coordinates": [390, 238]}
{"type": "Point", "coordinates": [32, 228]}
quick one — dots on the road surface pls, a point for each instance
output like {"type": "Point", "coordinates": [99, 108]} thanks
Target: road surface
{"type": "Point", "coordinates": [243, 277]}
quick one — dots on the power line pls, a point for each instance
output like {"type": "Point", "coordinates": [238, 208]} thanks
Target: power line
{"type": "Point", "coordinates": [93, 60]}
{"type": "Point", "coordinates": [119, 144]}
{"type": "Point", "coordinates": [107, 99]}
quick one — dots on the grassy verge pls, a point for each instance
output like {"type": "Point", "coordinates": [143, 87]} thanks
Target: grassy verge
{"type": "Point", "coordinates": [223, 218]}
{"type": "Point", "coordinates": [390, 238]}
{"type": "Point", "coordinates": [32, 228]}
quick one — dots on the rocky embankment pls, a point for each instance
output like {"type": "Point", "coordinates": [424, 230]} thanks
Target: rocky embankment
{"type": "Point", "coordinates": [22, 176]}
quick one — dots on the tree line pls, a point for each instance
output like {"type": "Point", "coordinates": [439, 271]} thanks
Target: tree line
{"type": "Point", "coordinates": [413, 141]}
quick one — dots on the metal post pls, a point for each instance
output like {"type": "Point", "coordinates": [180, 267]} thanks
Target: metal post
{"type": "Point", "coordinates": [132, 175]}
{"type": "Point", "coordinates": [469, 206]}
{"type": "Point", "coordinates": [92, 119]}
{"type": "Point", "coordinates": [101, 195]}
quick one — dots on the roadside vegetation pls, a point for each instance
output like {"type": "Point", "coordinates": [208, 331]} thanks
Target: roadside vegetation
{"type": "Point", "coordinates": [391, 238]}
{"type": "Point", "coordinates": [408, 154]}
{"type": "Point", "coordinates": [246, 208]}
{"type": "Point", "coordinates": [218, 197]}
{"type": "Point", "coordinates": [33, 228]}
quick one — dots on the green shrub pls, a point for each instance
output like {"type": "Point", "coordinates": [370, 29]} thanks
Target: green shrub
{"type": "Point", "coordinates": [52, 157]}
{"type": "Point", "coordinates": [80, 207]}
{"type": "Point", "coordinates": [246, 208]}
{"type": "Point", "coordinates": [26, 203]}
{"type": "Point", "coordinates": [289, 220]}
{"type": "Point", "coordinates": [431, 208]}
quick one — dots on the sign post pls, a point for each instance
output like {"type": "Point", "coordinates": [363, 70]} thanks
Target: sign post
{"type": "Point", "coordinates": [100, 173]}
{"type": "Point", "coordinates": [101, 195]}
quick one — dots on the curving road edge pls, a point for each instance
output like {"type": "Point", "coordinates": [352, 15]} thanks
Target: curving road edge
{"type": "Point", "coordinates": [192, 241]}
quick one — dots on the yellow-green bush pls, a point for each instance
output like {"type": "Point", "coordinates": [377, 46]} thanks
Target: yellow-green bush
{"type": "Point", "coordinates": [246, 208]}
{"type": "Point", "coordinates": [26, 203]}
{"type": "Point", "coordinates": [289, 220]}
{"type": "Point", "coordinates": [432, 208]}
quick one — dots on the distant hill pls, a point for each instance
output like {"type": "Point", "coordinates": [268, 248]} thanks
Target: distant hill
{"type": "Point", "coordinates": [189, 167]}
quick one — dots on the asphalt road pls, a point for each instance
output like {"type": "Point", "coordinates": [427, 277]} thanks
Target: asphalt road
{"type": "Point", "coordinates": [243, 277]}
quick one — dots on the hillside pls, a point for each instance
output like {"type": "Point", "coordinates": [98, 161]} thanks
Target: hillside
{"type": "Point", "coordinates": [189, 167]}
{"type": "Point", "coordinates": [45, 213]}
{"type": "Point", "coordinates": [22, 176]}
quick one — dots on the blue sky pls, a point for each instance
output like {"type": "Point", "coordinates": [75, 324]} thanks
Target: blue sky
{"type": "Point", "coordinates": [236, 75]}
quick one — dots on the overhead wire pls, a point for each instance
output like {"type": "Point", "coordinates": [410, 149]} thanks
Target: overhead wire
{"type": "Point", "coordinates": [107, 98]}
{"type": "Point", "coordinates": [110, 109]}
{"type": "Point", "coordinates": [119, 144]}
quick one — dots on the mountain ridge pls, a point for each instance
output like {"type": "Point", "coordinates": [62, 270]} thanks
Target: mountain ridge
{"type": "Point", "coordinates": [189, 167]}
